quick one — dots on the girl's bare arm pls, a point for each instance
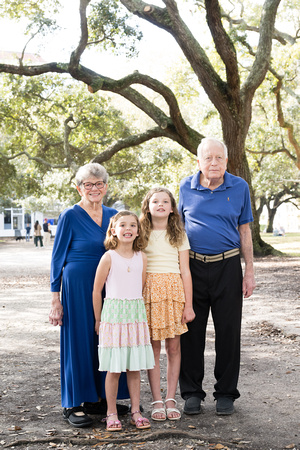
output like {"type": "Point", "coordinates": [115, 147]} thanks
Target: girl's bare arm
{"type": "Point", "coordinates": [144, 268]}
{"type": "Point", "coordinates": [100, 278]}
{"type": "Point", "coordinates": [184, 265]}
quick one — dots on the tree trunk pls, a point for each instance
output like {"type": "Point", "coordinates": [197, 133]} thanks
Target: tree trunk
{"type": "Point", "coordinates": [259, 210]}
{"type": "Point", "coordinates": [271, 217]}
{"type": "Point", "coordinates": [234, 137]}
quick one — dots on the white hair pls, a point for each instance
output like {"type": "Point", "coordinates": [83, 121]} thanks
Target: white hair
{"type": "Point", "coordinates": [90, 170]}
{"type": "Point", "coordinates": [215, 141]}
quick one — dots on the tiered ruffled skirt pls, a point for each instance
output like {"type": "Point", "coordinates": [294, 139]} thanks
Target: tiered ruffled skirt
{"type": "Point", "coordinates": [124, 341]}
{"type": "Point", "coordinates": [164, 301]}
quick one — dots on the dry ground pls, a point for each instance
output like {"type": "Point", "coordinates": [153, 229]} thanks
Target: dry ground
{"type": "Point", "coordinates": [267, 414]}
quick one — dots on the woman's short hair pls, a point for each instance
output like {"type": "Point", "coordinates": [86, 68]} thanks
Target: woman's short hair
{"type": "Point", "coordinates": [91, 170]}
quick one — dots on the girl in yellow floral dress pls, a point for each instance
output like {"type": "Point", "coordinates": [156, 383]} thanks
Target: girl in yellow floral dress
{"type": "Point", "coordinates": [167, 292]}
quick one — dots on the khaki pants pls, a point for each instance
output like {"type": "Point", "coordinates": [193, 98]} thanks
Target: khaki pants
{"type": "Point", "coordinates": [47, 238]}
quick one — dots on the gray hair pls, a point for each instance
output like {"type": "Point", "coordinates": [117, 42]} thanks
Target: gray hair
{"type": "Point", "coordinates": [91, 170]}
{"type": "Point", "coordinates": [215, 141]}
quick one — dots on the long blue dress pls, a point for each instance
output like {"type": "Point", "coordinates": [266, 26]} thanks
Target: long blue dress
{"type": "Point", "coordinates": [77, 249]}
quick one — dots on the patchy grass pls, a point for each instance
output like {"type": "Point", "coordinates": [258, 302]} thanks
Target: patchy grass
{"type": "Point", "coordinates": [288, 244]}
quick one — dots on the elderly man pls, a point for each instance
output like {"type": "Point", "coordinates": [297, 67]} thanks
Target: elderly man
{"type": "Point", "coordinates": [216, 210]}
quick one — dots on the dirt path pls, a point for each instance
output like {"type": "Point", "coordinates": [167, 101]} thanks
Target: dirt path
{"type": "Point", "coordinates": [267, 414]}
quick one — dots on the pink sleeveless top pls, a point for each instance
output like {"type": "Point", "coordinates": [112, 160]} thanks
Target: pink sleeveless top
{"type": "Point", "coordinates": [124, 280]}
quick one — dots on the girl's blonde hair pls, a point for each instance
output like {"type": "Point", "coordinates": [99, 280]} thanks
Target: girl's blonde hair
{"type": "Point", "coordinates": [111, 242]}
{"type": "Point", "coordinates": [175, 229]}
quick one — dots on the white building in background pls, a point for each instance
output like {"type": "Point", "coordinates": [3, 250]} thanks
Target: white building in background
{"type": "Point", "coordinates": [286, 217]}
{"type": "Point", "coordinates": [13, 222]}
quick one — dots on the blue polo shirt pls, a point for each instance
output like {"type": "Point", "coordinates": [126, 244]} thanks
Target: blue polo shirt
{"type": "Point", "coordinates": [212, 217]}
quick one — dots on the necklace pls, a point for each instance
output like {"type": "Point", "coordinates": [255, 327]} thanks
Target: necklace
{"type": "Point", "coordinates": [127, 263]}
{"type": "Point", "coordinates": [157, 234]}
{"type": "Point", "coordinates": [128, 267]}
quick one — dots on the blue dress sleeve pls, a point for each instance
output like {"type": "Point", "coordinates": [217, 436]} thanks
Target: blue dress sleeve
{"type": "Point", "coordinates": [61, 245]}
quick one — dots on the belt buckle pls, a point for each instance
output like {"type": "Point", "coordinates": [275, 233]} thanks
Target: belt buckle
{"type": "Point", "coordinates": [204, 258]}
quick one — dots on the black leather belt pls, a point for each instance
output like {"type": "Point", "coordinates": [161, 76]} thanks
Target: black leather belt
{"type": "Point", "coordinates": [214, 258]}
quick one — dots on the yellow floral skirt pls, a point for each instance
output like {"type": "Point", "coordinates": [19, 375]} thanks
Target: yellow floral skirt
{"type": "Point", "coordinates": [164, 301]}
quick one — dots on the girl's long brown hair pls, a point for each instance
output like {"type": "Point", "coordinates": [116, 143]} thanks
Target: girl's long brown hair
{"type": "Point", "coordinates": [175, 229]}
{"type": "Point", "coordinates": [111, 242]}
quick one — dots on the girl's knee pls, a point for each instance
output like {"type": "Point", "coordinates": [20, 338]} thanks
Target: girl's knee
{"type": "Point", "coordinates": [173, 346]}
{"type": "Point", "coordinates": [156, 347]}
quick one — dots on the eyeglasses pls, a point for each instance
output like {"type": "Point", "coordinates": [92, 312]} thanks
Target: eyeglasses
{"type": "Point", "coordinates": [88, 186]}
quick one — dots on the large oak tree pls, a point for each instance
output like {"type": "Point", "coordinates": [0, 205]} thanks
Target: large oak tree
{"type": "Point", "coordinates": [231, 94]}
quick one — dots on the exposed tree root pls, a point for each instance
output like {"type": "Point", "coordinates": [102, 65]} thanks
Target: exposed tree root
{"type": "Point", "coordinates": [122, 438]}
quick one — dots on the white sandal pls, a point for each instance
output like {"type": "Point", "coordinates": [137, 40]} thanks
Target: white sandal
{"type": "Point", "coordinates": [158, 410]}
{"type": "Point", "coordinates": [170, 410]}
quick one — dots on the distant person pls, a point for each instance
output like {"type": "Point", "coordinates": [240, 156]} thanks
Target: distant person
{"type": "Point", "coordinates": [216, 210]}
{"type": "Point", "coordinates": [77, 249]}
{"type": "Point", "coordinates": [28, 228]}
{"type": "Point", "coordinates": [38, 234]}
{"type": "Point", "coordinates": [47, 232]}
{"type": "Point", "coordinates": [167, 293]}
{"type": "Point", "coordinates": [124, 341]}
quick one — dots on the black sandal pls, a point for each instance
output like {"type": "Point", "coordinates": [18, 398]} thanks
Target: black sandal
{"type": "Point", "coordinates": [80, 421]}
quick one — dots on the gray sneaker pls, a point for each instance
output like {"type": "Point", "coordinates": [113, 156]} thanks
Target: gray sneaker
{"type": "Point", "coordinates": [224, 406]}
{"type": "Point", "coordinates": [192, 406]}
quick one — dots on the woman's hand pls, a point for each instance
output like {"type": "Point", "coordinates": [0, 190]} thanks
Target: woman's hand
{"type": "Point", "coordinates": [97, 326]}
{"type": "Point", "coordinates": [56, 311]}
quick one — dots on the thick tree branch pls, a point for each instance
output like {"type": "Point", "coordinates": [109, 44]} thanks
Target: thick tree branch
{"type": "Point", "coordinates": [169, 20]}
{"type": "Point", "coordinates": [127, 142]}
{"type": "Point", "coordinates": [224, 46]}
{"type": "Point", "coordinates": [165, 92]}
{"type": "Point", "coordinates": [31, 71]}
{"type": "Point", "coordinates": [262, 57]}
{"type": "Point", "coordinates": [76, 55]}
{"type": "Point", "coordinates": [284, 124]}
{"type": "Point", "coordinates": [174, 124]}
{"type": "Point", "coordinates": [134, 140]}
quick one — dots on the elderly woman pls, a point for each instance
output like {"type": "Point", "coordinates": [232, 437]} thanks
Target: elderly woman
{"type": "Point", "coordinates": [77, 249]}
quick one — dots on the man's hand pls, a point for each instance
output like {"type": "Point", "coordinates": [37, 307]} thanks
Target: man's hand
{"type": "Point", "coordinates": [248, 284]}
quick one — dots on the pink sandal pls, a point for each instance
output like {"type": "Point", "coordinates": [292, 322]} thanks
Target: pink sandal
{"type": "Point", "coordinates": [112, 425]}
{"type": "Point", "coordinates": [141, 423]}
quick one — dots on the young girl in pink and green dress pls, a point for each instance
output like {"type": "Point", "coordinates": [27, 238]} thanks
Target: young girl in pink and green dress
{"type": "Point", "coordinates": [124, 342]}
